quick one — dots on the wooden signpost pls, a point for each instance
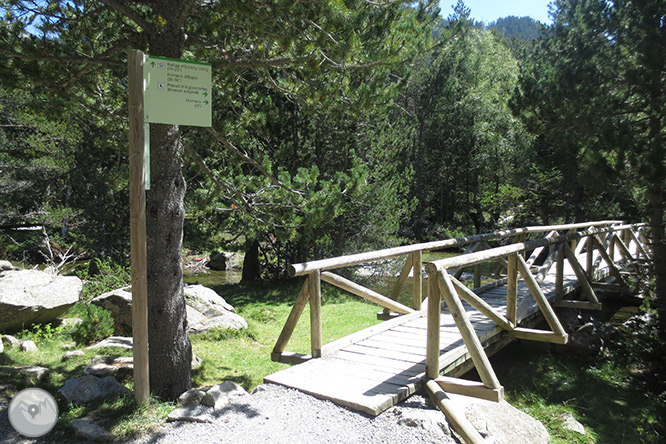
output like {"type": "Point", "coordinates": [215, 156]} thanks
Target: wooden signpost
{"type": "Point", "coordinates": [167, 91]}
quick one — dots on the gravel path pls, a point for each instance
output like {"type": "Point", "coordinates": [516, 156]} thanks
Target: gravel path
{"type": "Point", "coordinates": [278, 415]}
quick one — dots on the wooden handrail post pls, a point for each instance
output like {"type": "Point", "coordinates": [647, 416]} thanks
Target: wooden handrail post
{"type": "Point", "coordinates": [314, 283]}
{"type": "Point", "coordinates": [417, 283]}
{"type": "Point", "coordinates": [559, 274]}
{"type": "Point", "coordinates": [611, 247]}
{"type": "Point", "coordinates": [434, 315]}
{"type": "Point", "coordinates": [589, 266]}
{"type": "Point", "coordinates": [477, 275]}
{"type": "Point", "coordinates": [512, 289]}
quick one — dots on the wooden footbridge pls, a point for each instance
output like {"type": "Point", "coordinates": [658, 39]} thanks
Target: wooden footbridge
{"type": "Point", "coordinates": [455, 328]}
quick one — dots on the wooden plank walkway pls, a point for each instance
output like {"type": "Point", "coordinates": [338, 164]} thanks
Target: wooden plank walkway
{"type": "Point", "coordinates": [385, 365]}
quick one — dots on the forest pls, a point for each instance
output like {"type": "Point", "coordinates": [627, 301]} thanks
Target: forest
{"type": "Point", "coordinates": [338, 127]}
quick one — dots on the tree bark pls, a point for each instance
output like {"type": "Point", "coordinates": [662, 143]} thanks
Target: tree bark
{"type": "Point", "coordinates": [170, 350]}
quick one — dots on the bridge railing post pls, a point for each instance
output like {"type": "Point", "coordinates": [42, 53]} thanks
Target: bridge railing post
{"type": "Point", "coordinates": [434, 316]}
{"type": "Point", "coordinates": [315, 313]}
{"type": "Point", "coordinates": [417, 283]}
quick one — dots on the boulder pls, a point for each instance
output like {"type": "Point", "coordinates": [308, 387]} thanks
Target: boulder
{"type": "Point", "coordinates": [28, 346]}
{"type": "Point", "coordinates": [10, 341]}
{"type": "Point", "coordinates": [223, 261]}
{"type": "Point", "coordinates": [220, 395]}
{"type": "Point", "coordinates": [191, 413]}
{"type": "Point", "coordinates": [119, 303]}
{"type": "Point", "coordinates": [226, 320]}
{"type": "Point", "coordinates": [89, 430]}
{"type": "Point", "coordinates": [32, 372]}
{"type": "Point", "coordinates": [71, 354]}
{"type": "Point", "coordinates": [431, 420]}
{"type": "Point", "coordinates": [206, 301]}
{"type": "Point", "coordinates": [571, 423]}
{"type": "Point", "coordinates": [6, 266]}
{"type": "Point", "coordinates": [32, 296]}
{"type": "Point", "coordinates": [119, 367]}
{"type": "Point", "coordinates": [192, 397]}
{"type": "Point", "coordinates": [114, 341]}
{"type": "Point", "coordinates": [90, 388]}
{"type": "Point", "coordinates": [202, 302]}
{"type": "Point", "coordinates": [500, 422]}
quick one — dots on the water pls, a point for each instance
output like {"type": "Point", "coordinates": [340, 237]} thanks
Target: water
{"type": "Point", "coordinates": [212, 278]}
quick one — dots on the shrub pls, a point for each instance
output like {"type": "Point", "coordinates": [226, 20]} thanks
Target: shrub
{"type": "Point", "coordinates": [97, 324]}
{"type": "Point", "coordinates": [102, 276]}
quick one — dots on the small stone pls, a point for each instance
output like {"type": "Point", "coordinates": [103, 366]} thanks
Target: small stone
{"type": "Point", "coordinates": [191, 413]}
{"type": "Point", "coordinates": [32, 372]}
{"type": "Point", "coordinates": [119, 367]}
{"type": "Point", "coordinates": [71, 354]}
{"type": "Point", "coordinates": [218, 396]}
{"type": "Point", "coordinates": [259, 389]}
{"type": "Point", "coordinates": [89, 388]}
{"type": "Point", "coordinates": [196, 362]}
{"type": "Point", "coordinates": [68, 345]}
{"type": "Point", "coordinates": [192, 397]}
{"type": "Point", "coordinates": [10, 341]}
{"type": "Point", "coordinates": [86, 428]}
{"type": "Point", "coordinates": [6, 266]}
{"type": "Point", "coordinates": [113, 341]}
{"type": "Point", "coordinates": [28, 346]}
{"type": "Point", "coordinates": [570, 423]}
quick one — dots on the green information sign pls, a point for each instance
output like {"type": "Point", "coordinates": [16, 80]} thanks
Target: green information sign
{"type": "Point", "coordinates": [177, 92]}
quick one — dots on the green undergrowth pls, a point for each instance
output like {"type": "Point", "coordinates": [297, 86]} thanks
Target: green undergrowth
{"type": "Point", "coordinates": [245, 356]}
{"type": "Point", "coordinates": [240, 356]}
{"type": "Point", "coordinates": [603, 394]}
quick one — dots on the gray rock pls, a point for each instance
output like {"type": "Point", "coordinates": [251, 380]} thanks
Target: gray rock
{"type": "Point", "coordinates": [201, 302]}
{"type": "Point", "coordinates": [117, 366]}
{"type": "Point", "coordinates": [191, 413]}
{"type": "Point", "coordinates": [86, 428]}
{"type": "Point", "coordinates": [114, 341]}
{"type": "Point", "coordinates": [32, 372]}
{"type": "Point", "coordinates": [10, 341]}
{"type": "Point", "coordinates": [226, 320]}
{"type": "Point", "coordinates": [2, 347]}
{"type": "Point", "coordinates": [119, 303]}
{"type": "Point", "coordinates": [196, 362]}
{"type": "Point", "coordinates": [500, 422]}
{"type": "Point", "coordinates": [206, 301]}
{"type": "Point", "coordinates": [223, 261]}
{"type": "Point", "coordinates": [89, 388]}
{"type": "Point", "coordinates": [6, 266]}
{"type": "Point", "coordinates": [33, 296]}
{"type": "Point", "coordinates": [218, 396]}
{"type": "Point", "coordinates": [192, 397]}
{"type": "Point", "coordinates": [71, 354]}
{"type": "Point", "coordinates": [431, 420]}
{"type": "Point", "coordinates": [570, 423]}
{"type": "Point", "coordinates": [28, 346]}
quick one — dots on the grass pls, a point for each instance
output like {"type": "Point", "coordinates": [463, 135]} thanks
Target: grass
{"type": "Point", "coordinates": [602, 394]}
{"type": "Point", "coordinates": [242, 357]}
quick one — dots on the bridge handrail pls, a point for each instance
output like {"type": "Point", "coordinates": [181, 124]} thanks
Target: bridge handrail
{"type": "Point", "coordinates": [495, 253]}
{"type": "Point", "coordinates": [371, 256]}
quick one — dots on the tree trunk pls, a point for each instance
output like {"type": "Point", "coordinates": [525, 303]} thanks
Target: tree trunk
{"type": "Point", "coordinates": [251, 265]}
{"type": "Point", "coordinates": [170, 350]}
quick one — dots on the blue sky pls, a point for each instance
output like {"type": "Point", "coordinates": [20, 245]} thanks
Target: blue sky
{"type": "Point", "coordinates": [490, 10]}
